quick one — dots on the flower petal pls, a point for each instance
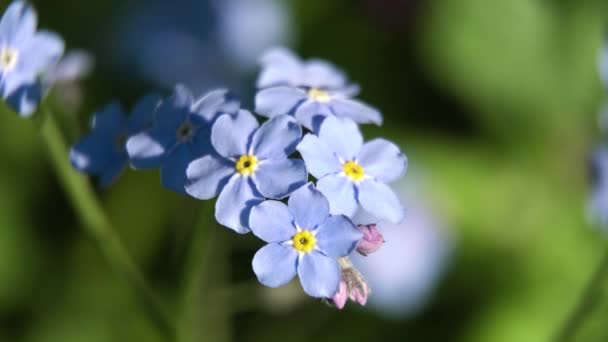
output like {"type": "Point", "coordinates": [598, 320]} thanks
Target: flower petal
{"type": "Point", "coordinates": [142, 115]}
{"type": "Point", "coordinates": [92, 153]}
{"type": "Point", "coordinates": [338, 236]}
{"type": "Point", "coordinates": [276, 138]}
{"type": "Point", "coordinates": [309, 206]}
{"type": "Point", "coordinates": [311, 114]}
{"type": "Point", "coordinates": [216, 103]}
{"type": "Point", "coordinates": [277, 178]}
{"type": "Point", "coordinates": [18, 22]}
{"type": "Point", "coordinates": [340, 192]}
{"type": "Point", "coordinates": [40, 52]}
{"type": "Point", "coordinates": [319, 158]}
{"type": "Point", "coordinates": [111, 118]}
{"type": "Point", "coordinates": [147, 149]}
{"type": "Point", "coordinates": [378, 199]}
{"type": "Point", "coordinates": [356, 111]}
{"type": "Point", "coordinates": [112, 171]}
{"type": "Point", "coordinates": [319, 275]}
{"type": "Point", "coordinates": [280, 66]}
{"type": "Point", "coordinates": [383, 160]}
{"type": "Point", "coordinates": [318, 73]}
{"type": "Point", "coordinates": [173, 170]}
{"type": "Point", "coordinates": [25, 98]}
{"type": "Point", "coordinates": [272, 221]}
{"type": "Point", "coordinates": [281, 100]}
{"type": "Point", "coordinates": [275, 265]}
{"type": "Point", "coordinates": [342, 136]}
{"type": "Point", "coordinates": [235, 202]}
{"type": "Point", "coordinates": [231, 133]}
{"type": "Point", "coordinates": [207, 176]}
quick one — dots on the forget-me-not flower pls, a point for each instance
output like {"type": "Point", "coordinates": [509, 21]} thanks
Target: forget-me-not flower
{"type": "Point", "coordinates": [102, 153]}
{"type": "Point", "coordinates": [251, 163]}
{"type": "Point", "coordinates": [24, 55]}
{"type": "Point", "coordinates": [180, 134]}
{"type": "Point", "coordinates": [302, 238]}
{"type": "Point", "coordinates": [310, 91]}
{"type": "Point", "coordinates": [351, 173]}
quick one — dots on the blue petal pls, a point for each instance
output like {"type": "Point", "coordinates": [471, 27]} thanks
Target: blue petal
{"type": "Point", "coordinates": [277, 178]}
{"type": "Point", "coordinates": [275, 264]}
{"type": "Point", "coordinates": [378, 199]}
{"type": "Point", "coordinates": [230, 133]}
{"type": "Point", "coordinates": [111, 118]}
{"type": "Point", "coordinates": [319, 275]}
{"type": "Point", "coordinates": [142, 116]}
{"type": "Point", "coordinates": [383, 160]}
{"type": "Point", "coordinates": [338, 236]}
{"type": "Point", "coordinates": [319, 158]}
{"type": "Point", "coordinates": [25, 99]}
{"type": "Point", "coordinates": [342, 136]}
{"type": "Point", "coordinates": [112, 171]}
{"type": "Point", "coordinates": [280, 100]}
{"type": "Point", "coordinates": [93, 152]}
{"type": "Point", "coordinates": [207, 176]}
{"type": "Point", "coordinates": [280, 66]}
{"type": "Point", "coordinates": [147, 149]}
{"type": "Point", "coordinates": [312, 113]}
{"type": "Point", "coordinates": [18, 23]}
{"type": "Point", "coordinates": [272, 221]}
{"type": "Point", "coordinates": [173, 170]}
{"type": "Point", "coordinates": [309, 206]}
{"type": "Point", "coordinates": [235, 202]}
{"type": "Point", "coordinates": [340, 192]}
{"type": "Point", "coordinates": [40, 52]}
{"type": "Point", "coordinates": [276, 138]}
{"type": "Point", "coordinates": [215, 103]}
{"type": "Point", "coordinates": [356, 111]}
{"type": "Point", "coordinates": [322, 74]}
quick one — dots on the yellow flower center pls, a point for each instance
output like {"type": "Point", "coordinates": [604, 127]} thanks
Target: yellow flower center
{"type": "Point", "coordinates": [247, 164]}
{"type": "Point", "coordinates": [318, 95]}
{"type": "Point", "coordinates": [304, 241]}
{"type": "Point", "coordinates": [353, 171]}
{"type": "Point", "coordinates": [8, 59]}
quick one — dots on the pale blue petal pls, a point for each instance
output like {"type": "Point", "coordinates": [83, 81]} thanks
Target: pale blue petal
{"type": "Point", "coordinates": [39, 53]}
{"type": "Point", "coordinates": [207, 176]}
{"type": "Point", "coordinates": [147, 149]}
{"type": "Point", "coordinates": [340, 192]}
{"type": "Point", "coordinates": [275, 265]}
{"type": "Point", "coordinates": [322, 74]}
{"type": "Point", "coordinates": [276, 138]}
{"type": "Point", "coordinates": [235, 202]}
{"type": "Point", "coordinates": [173, 170]}
{"type": "Point", "coordinates": [319, 274]}
{"type": "Point", "coordinates": [272, 221]}
{"type": "Point", "coordinates": [383, 160]}
{"type": "Point", "coordinates": [312, 113]}
{"type": "Point", "coordinates": [309, 206]}
{"type": "Point", "coordinates": [280, 66]}
{"type": "Point", "coordinates": [319, 157]}
{"type": "Point", "coordinates": [216, 103]}
{"type": "Point", "coordinates": [18, 23]}
{"type": "Point", "coordinates": [277, 178]}
{"type": "Point", "coordinates": [338, 236]}
{"type": "Point", "coordinates": [231, 133]}
{"type": "Point", "coordinates": [378, 199]}
{"type": "Point", "coordinates": [355, 110]}
{"type": "Point", "coordinates": [280, 100]}
{"type": "Point", "coordinates": [342, 136]}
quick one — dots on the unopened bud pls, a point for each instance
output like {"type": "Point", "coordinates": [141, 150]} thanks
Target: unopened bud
{"type": "Point", "coordinates": [339, 299]}
{"type": "Point", "coordinates": [371, 241]}
{"type": "Point", "coordinates": [352, 286]}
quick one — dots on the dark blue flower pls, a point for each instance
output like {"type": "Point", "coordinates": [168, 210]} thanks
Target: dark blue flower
{"type": "Point", "coordinates": [304, 239]}
{"type": "Point", "coordinates": [24, 55]}
{"type": "Point", "coordinates": [310, 91]}
{"type": "Point", "coordinates": [102, 153]}
{"type": "Point", "coordinates": [251, 163]}
{"type": "Point", "coordinates": [180, 134]}
{"type": "Point", "coordinates": [351, 173]}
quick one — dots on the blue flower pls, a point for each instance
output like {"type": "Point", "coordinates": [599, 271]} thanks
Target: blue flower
{"type": "Point", "coordinates": [310, 91]}
{"type": "Point", "coordinates": [180, 134]}
{"type": "Point", "coordinates": [24, 55]}
{"type": "Point", "coordinates": [302, 238]}
{"type": "Point", "coordinates": [351, 173]}
{"type": "Point", "coordinates": [251, 163]}
{"type": "Point", "coordinates": [102, 153]}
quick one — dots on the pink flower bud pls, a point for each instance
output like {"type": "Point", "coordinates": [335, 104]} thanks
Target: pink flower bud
{"type": "Point", "coordinates": [371, 241]}
{"type": "Point", "coordinates": [339, 299]}
{"type": "Point", "coordinates": [358, 293]}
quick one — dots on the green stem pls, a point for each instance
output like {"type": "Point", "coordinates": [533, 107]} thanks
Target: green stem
{"type": "Point", "coordinates": [586, 304]}
{"type": "Point", "coordinates": [97, 225]}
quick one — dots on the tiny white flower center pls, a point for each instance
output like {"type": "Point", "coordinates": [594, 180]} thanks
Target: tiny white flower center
{"type": "Point", "coordinates": [8, 58]}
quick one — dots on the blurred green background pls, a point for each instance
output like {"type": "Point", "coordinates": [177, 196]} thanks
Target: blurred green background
{"type": "Point", "coordinates": [494, 102]}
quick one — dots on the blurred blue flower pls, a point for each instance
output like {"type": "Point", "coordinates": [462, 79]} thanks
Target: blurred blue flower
{"type": "Point", "coordinates": [251, 163]}
{"type": "Point", "coordinates": [598, 205]}
{"type": "Point", "coordinates": [102, 153]}
{"type": "Point", "coordinates": [24, 55]}
{"type": "Point", "coordinates": [302, 238]}
{"type": "Point", "coordinates": [65, 77]}
{"type": "Point", "coordinates": [310, 91]}
{"type": "Point", "coordinates": [179, 134]}
{"type": "Point", "coordinates": [351, 173]}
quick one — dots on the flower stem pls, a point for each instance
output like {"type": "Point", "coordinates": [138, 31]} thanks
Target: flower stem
{"type": "Point", "coordinates": [586, 304]}
{"type": "Point", "coordinates": [97, 225]}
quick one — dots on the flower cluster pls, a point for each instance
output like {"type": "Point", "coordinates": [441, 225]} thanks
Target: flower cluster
{"type": "Point", "coordinates": [263, 175]}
